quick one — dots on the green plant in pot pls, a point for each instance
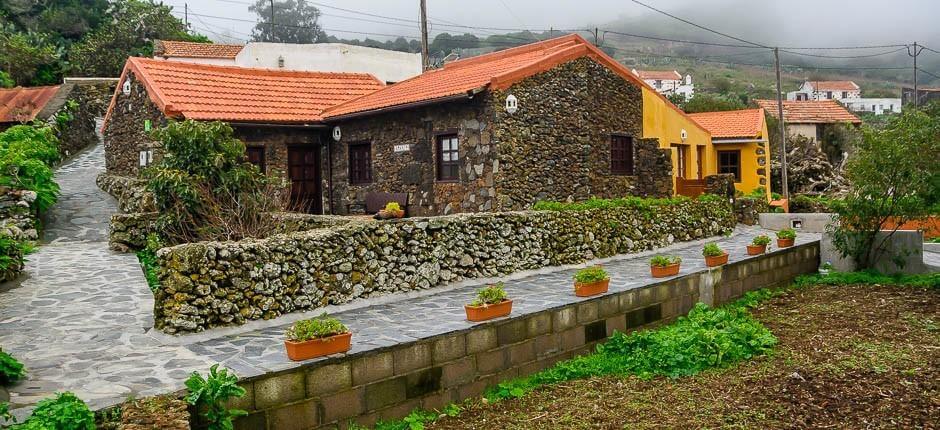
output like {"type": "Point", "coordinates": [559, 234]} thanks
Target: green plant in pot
{"type": "Point", "coordinates": [662, 266]}
{"type": "Point", "coordinates": [491, 302]}
{"type": "Point", "coordinates": [316, 337]}
{"type": "Point", "coordinates": [786, 237]}
{"type": "Point", "coordinates": [714, 255]}
{"type": "Point", "coordinates": [591, 281]}
{"type": "Point", "coordinates": [758, 245]}
{"type": "Point", "coordinates": [391, 210]}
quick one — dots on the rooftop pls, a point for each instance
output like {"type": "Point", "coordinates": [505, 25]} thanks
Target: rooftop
{"type": "Point", "coordinates": [747, 123]}
{"type": "Point", "coordinates": [834, 85]}
{"type": "Point", "coordinates": [175, 48]}
{"type": "Point", "coordinates": [810, 111]}
{"type": "Point", "coordinates": [658, 74]}
{"type": "Point", "coordinates": [23, 104]}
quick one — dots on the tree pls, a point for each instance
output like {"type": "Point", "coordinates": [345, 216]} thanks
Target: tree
{"type": "Point", "coordinates": [295, 21]}
{"type": "Point", "coordinates": [704, 102]}
{"type": "Point", "coordinates": [23, 55]}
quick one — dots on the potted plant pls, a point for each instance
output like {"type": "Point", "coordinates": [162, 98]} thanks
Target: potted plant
{"type": "Point", "coordinates": [662, 266]}
{"type": "Point", "coordinates": [758, 246]}
{"type": "Point", "coordinates": [825, 269]}
{"type": "Point", "coordinates": [591, 281]}
{"type": "Point", "coordinates": [316, 337]}
{"type": "Point", "coordinates": [714, 255]}
{"type": "Point", "coordinates": [786, 237]}
{"type": "Point", "coordinates": [491, 302]}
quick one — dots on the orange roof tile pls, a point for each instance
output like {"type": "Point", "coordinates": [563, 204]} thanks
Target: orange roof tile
{"type": "Point", "coordinates": [23, 104]}
{"type": "Point", "coordinates": [497, 70]}
{"type": "Point", "coordinates": [834, 85]}
{"type": "Point", "coordinates": [229, 93]}
{"type": "Point", "coordinates": [747, 123]}
{"type": "Point", "coordinates": [664, 75]}
{"type": "Point", "coordinates": [810, 111]}
{"type": "Point", "coordinates": [175, 48]}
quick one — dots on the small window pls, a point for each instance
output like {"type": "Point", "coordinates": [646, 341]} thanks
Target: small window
{"type": "Point", "coordinates": [448, 158]}
{"type": "Point", "coordinates": [621, 155]}
{"type": "Point", "coordinates": [845, 95]}
{"type": "Point", "coordinates": [730, 162]}
{"type": "Point", "coordinates": [360, 163]}
{"type": "Point", "coordinates": [829, 95]}
{"type": "Point", "coordinates": [255, 156]}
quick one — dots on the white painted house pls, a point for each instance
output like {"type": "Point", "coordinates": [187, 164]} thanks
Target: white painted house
{"type": "Point", "coordinates": [386, 65]}
{"type": "Point", "coordinates": [667, 82]}
{"type": "Point", "coordinates": [877, 106]}
{"type": "Point", "coordinates": [826, 90]}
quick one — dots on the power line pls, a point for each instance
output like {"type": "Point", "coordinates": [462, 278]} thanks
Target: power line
{"type": "Point", "coordinates": [700, 26]}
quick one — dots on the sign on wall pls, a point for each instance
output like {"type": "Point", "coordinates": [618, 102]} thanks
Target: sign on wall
{"type": "Point", "coordinates": [402, 148]}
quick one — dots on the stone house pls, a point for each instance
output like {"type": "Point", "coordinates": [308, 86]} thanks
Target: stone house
{"type": "Point", "coordinates": [557, 119]}
{"type": "Point", "coordinates": [741, 146]}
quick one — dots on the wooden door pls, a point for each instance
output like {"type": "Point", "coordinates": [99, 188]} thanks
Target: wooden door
{"type": "Point", "coordinates": [700, 157]}
{"type": "Point", "coordinates": [303, 165]}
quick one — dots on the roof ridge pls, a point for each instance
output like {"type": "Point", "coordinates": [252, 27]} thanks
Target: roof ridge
{"type": "Point", "coordinates": [253, 70]}
{"type": "Point", "coordinates": [542, 44]}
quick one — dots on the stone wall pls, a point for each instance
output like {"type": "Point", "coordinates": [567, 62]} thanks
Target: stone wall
{"type": "Point", "coordinates": [125, 135]}
{"type": "Point", "coordinates": [213, 284]}
{"type": "Point", "coordinates": [91, 96]}
{"type": "Point", "coordinates": [430, 373]}
{"type": "Point", "coordinates": [130, 192]}
{"type": "Point", "coordinates": [748, 209]}
{"type": "Point", "coordinates": [18, 221]}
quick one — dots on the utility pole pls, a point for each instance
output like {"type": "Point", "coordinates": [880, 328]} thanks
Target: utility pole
{"type": "Point", "coordinates": [914, 53]}
{"type": "Point", "coordinates": [425, 60]}
{"type": "Point", "coordinates": [272, 22]}
{"type": "Point", "coordinates": [186, 16]}
{"type": "Point", "coordinates": [783, 129]}
{"type": "Point", "coordinates": [595, 36]}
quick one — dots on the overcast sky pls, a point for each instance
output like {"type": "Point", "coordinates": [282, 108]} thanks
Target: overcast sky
{"type": "Point", "coordinates": [784, 22]}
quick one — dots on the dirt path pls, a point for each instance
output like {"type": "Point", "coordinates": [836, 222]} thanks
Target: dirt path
{"type": "Point", "coordinates": [849, 357]}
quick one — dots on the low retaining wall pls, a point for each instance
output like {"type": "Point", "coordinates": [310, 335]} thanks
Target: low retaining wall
{"type": "Point", "coordinates": [214, 284]}
{"type": "Point", "coordinates": [18, 221]}
{"type": "Point", "coordinates": [430, 373]}
{"type": "Point", "coordinates": [131, 193]}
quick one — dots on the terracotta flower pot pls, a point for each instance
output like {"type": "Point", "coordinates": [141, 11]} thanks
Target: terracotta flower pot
{"type": "Point", "coordinates": [591, 288]}
{"type": "Point", "coordinates": [756, 249]}
{"type": "Point", "coordinates": [717, 260]}
{"type": "Point", "coordinates": [664, 271]}
{"type": "Point", "coordinates": [784, 243]}
{"type": "Point", "coordinates": [488, 312]}
{"type": "Point", "coordinates": [299, 351]}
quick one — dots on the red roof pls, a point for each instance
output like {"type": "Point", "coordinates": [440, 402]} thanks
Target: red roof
{"type": "Point", "coordinates": [747, 123]}
{"type": "Point", "coordinates": [834, 85]}
{"type": "Point", "coordinates": [497, 70]}
{"type": "Point", "coordinates": [23, 104]}
{"type": "Point", "coordinates": [810, 111]}
{"type": "Point", "coordinates": [174, 48]}
{"type": "Point", "coordinates": [664, 75]}
{"type": "Point", "coordinates": [229, 93]}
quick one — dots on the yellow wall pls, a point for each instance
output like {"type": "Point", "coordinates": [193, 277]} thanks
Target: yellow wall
{"type": "Point", "coordinates": [750, 163]}
{"type": "Point", "coordinates": [663, 122]}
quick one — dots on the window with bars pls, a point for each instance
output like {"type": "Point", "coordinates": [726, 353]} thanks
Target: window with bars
{"type": "Point", "coordinates": [448, 157]}
{"type": "Point", "coordinates": [360, 163]}
{"type": "Point", "coordinates": [730, 162]}
{"type": "Point", "coordinates": [621, 155]}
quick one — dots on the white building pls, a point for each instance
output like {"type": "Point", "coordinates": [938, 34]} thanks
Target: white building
{"type": "Point", "coordinates": [667, 82]}
{"type": "Point", "coordinates": [877, 106]}
{"type": "Point", "coordinates": [826, 90]}
{"type": "Point", "coordinates": [386, 65]}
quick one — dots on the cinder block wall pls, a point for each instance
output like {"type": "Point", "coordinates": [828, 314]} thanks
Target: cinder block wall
{"type": "Point", "coordinates": [430, 373]}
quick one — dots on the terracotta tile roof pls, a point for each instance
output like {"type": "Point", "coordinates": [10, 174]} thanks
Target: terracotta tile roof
{"type": "Point", "coordinates": [664, 75]}
{"type": "Point", "coordinates": [747, 123]}
{"type": "Point", "coordinates": [834, 85]}
{"type": "Point", "coordinates": [810, 111]}
{"type": "Point", "coordinates": [23, 104]}
{"type": "Point", "coordinates": [174, 48]}
{"type": "Point", "coordinates": [229, 93]}
{"type": "Point", "coordinates": [497, 70]}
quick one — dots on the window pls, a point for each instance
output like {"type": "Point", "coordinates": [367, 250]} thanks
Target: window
{"type": "Point", "coordinates": [360, 163]}
{"type": "Point", "coordinates": [255, 156]}
{"type": "Point", "coordinates": [621, 155]}
{"type": "Point", "coordinates": [659, 84]}
{"type": "Point", "coordinates": [829, 94]}
{"type": "Point", "coordinates": [845, 95]}
{"type": "Point", "coordinates": [448, 158]}
{"type": "Point", "coordinates": [730, 162]}
{"type": "Point", "coordinates": [681, 154]}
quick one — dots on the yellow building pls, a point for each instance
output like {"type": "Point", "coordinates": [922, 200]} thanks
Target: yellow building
{"type": "Point", "coordinates": [740, 146]}
{"type": "Point", "coordinates": [690, 142]}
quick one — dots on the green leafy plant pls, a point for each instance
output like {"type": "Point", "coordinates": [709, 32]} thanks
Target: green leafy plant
{"type": "Point", "coordinates": [929, 280]}
{"type": "Point", "coordinates": [11, 370]}
{"type": "Point", "coordinates": [315, 328]}
{"type": "Point", "coordinates": [712, 250]}
{"type": "Point", "coordinates": [787, 233]}
{"type": "Point", "coordinates": [665, 260]}
{"type": "Point", "coordinates": [27, 154]}
{"type": "Point", "coordinates": [5, 414]}
{"type": "Point", "coordinates": [148, 260]}
{"type": "Point", "coordinates": [490, 295]}
{"type": "Point", "coordinates": [65, 411]}
{"type": "Point", "coordinates": [591, 274]}
{"type": "Point", "coordinates": [392, 207]}
{"type": "Point", "coordinates": [210, 394]}
{"type": "Point", "coordinates": [761, 240]}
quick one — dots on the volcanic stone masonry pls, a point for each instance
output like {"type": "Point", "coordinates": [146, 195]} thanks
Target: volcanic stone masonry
{"type": "Point", "coordinates": [124, 136]}
{"type": "Point", "coordinates": [211, 284]}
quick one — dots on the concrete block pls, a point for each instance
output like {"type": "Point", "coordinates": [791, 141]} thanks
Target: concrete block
{"type": "Point", "coordinates": [802, 222]}
{"type": "Point", "coordinates": [587, 312]}
{"type": "Point", "coordinates": [608, 306]}
{"type": "Point", "coordinates": [399, 411]}
{"type": "Point", "coordinates": [627, 300]}
{"type": "Point", "coordinates": [449, 348]}
{"type": "Point", "coordinates": [572, 338]}
{"type": "Point", "coordinates": [372, 368]}
{"type": "Point", "coordinates": [539, 324]}
{"type": "Point", "coordinates": [511, 332]}
{"type": "Point", "coordinates": [299, 416]}
{"type": "Point", "coordinates": [481, 339]}
{"type": "Point", "coordinates": [343, 405]}
{"type": "Point", "coordinates": [385, 393]}
{"type": "Point", "coordinates": [564, 319]}
{"type": "Point", "coordinates": [491, 361]}
{"type": "Point", "coordinates": [412, 357]}
{"type": "Point", "coordinates": [246, 402]}
{"type": "Point", "coordinates": [548, 344]}
{"type": "Point", "coordinates": [438, 400]}
{"type": "Point", "coordinates": [253, 421]}
{"type": "Point", "coordinates": [595, 331]}
{"type": "Point", "coordinates": [522, 353]}
{"type": "Point", "coordinates": [329, 379]}
{"type": "Point", "coordinates": [427, 381]}
{"type": "Point", "coordinates": [458, 372]}
{"type": "Point", "coordinates": [279, 390]}
{"type": "Point", "coordinates": [616, 323]}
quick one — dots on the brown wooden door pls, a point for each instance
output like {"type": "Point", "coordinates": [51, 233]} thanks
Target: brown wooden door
{"type": "Point", "coordinates": [700, 156]}
{"type": "Point", "coordinates": [303, 165]}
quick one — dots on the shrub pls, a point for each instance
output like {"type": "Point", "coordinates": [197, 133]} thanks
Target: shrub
{"type": "Point", "coordinates": [63, 412]}
{"type": "Point", "coordinates": [315, 328]}
{"type": "Point", "coordinates": [665, 260]}
{"type": "Point", "coordinates": [761, 193]}
{"type": "Point", "coordinates": [491, 295]}
{"type": "Point", "coordinates": [712, 250]}
{"type": "Point", "coordinates": [392, 207]}
{"type": "Point", "coordinates": [929, 280]}
{"type": "Point", "coordinates": [588, 275]}
{"type": "Point", "coordinates": [761, 240]}
{"type": "Point", "coordinates": [210, 395]}
{"type": "Point", "coordinates": [148, 260]}
{"type": "Point", "coordinates": [27, 154]}
{"type": "Point", "coordinates": [787, 233]}
{"type": "Point", "coordinates": [11, 370]}
{"type": "Point", "coordinates": [12, 255]}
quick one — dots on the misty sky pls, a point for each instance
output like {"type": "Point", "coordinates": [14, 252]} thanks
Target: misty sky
{"type": "Point", "coordinates": [783, 22]}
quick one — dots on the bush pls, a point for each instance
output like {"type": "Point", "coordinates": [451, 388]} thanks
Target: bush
{"type": "Point", "coordinates": [64, 412]}
{"type": "Point", "coordinates": [210, 394]}
{"type": "Point", "coordinates": [809, 204]}
{"type": "Point", "coordinates": [787, 233]}
{"type": "Point", "coordinates": [12, 256]}
{"type": "Point", "coordinates": [712, 250]}
{"type": "Point", "coordinates": [27, 154]}
{"type": "Point", "coordinates": [11, 370]}
{"type": "Point", "coordinates": [490, 295]}
{"type": "Point", "coordinates": [761, 240]}
{"type": "Point", "coordinates": [665, 260]}
{"type": "Point", "coordinates": [930, 280]}
{"type": "Point", "coordinates": [588, 275]}
{"type": "Point", "coordinates": [315, 328]}
{"type": "Point", "coordinates": [148, 260]}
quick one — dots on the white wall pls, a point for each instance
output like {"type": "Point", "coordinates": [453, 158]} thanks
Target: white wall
{"type": "Point", "coordinates": [877, 105]}
{"type": "Point", "coordinates": [387, 66]}
{"type": "Point", "coordinates": [806, 130]}
{"type": "Point", "coordinates": [809, 93]}
{"type": "Point", "coordinates": [212, 61]}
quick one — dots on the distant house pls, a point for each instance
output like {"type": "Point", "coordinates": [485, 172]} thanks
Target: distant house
{"type": "Point", "coordinates": [826, 90]}
{"type": "Point", "coordinates": [877, 106]}
{"type": "Point", "coordinates": [667, 82]}
{"type": "Point", "coordinates": [804, 118]}
{"type": "Point", "coordinates": [23, 104]}
{"type": "Point", "coordinates": [388, 66]}
{"type": "Point", "coordinates": [740, 145]}
{"type": "Point", "coordinates": [926, 95]}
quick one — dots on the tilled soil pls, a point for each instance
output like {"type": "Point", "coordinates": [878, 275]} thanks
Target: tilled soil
{"type": "Point", "coordinates": [849, 357]}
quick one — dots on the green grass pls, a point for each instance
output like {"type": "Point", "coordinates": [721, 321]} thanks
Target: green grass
{"type": "Point", "coordinates": [930, 280]}
{"type": "Point", "coordinates": [148, 262]}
